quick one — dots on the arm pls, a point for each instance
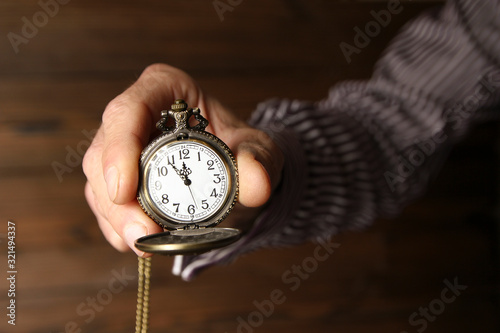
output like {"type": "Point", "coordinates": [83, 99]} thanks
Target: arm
{"type": "Point", "coordinates": [371, 147]}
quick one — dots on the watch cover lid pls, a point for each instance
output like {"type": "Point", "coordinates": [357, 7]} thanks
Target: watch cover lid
{"type": "Point", "coordinates": [187, 241]}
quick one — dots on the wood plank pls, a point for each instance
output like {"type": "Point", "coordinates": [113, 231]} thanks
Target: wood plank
{"type": "Point", "coordinates": [58, 84]}
{"type": "Point", "coordinates": [197, 34]}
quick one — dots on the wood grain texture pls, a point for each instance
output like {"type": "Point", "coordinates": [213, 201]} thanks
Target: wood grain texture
{"type": "Point", "coordinates": [53, 91]}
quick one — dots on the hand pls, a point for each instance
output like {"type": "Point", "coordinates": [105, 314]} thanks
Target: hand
{"type": "Point", "coordinates": [111, 162]}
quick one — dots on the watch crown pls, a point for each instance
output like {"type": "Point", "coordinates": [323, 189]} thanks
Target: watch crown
{"type": "Point", "coordinates": [179, 105]}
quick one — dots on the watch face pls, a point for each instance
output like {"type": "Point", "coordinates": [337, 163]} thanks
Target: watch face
{"type": "Point", "coordinates": [187, 182]}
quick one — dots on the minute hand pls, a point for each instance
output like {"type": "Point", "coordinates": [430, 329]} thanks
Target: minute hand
{"type": "Point", "coordinates": [192, 196]}
{"type": "Point", "coordinates": [184, 176]}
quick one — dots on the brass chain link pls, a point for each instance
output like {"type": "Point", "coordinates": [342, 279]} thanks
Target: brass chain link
{"type": "Point", "coordinates": [143, 282]}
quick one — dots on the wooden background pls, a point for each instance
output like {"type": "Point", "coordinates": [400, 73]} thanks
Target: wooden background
{"type": "Point", "coordinates": [53, 91]}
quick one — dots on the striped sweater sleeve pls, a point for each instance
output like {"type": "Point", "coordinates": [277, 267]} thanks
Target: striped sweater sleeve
{"type": "Point", "coordinates": [372, 146]}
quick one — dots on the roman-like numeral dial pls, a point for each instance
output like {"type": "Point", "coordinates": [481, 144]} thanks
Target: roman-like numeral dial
{"type": "Point", "coordinates": [188, 181]}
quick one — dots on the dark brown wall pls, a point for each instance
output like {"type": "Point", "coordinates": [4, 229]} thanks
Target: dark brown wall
{"type": "Point", "coordinates": [54, 86]}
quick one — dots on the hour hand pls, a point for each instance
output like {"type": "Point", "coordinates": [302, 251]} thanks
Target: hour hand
{"type": "Point", "coordinates": [173, 166]}
{"type": "Point", "coordinates": [183, 174]}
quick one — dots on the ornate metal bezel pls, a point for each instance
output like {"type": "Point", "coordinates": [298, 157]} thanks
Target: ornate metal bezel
{"type": "Point", "coordinates": [187, 135]}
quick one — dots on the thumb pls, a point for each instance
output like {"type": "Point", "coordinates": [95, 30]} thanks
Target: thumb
{"type": "Point", "coordinates": [259, 164]}
{"type": "Point", "coordinates": [126, 130]}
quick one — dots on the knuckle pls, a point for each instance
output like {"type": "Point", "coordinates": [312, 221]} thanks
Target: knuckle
{"type": "Point", "coordinates": [155, 68]}
{"type": "Point", "coordinates": [165, 75]}
{"type": "Point", "coordinates": [110, 211]}
{"type": "Point", "coordinates": [160, 69]}
{"type": "Point", "coordinates": [89, 161]}
{"type": "Point", "coordinates": [89, 193]}
{"type": "Point", "coordinates": [114, 108]}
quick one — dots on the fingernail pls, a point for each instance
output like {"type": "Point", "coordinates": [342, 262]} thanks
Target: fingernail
{"type": "Point", "coordinates": [112, 178]}
{"type": "Point", "coordinates": [132, 232]}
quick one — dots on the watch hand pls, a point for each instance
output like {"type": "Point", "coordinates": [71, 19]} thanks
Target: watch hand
{"type": "Point", "coordinates": [173, 166]}
{"type": "Point", "coordinates": [185, 172]}
{"type": "Point", "coordinates": [181, 173]}
{"type": "Point", "coordinates": [192, 196]}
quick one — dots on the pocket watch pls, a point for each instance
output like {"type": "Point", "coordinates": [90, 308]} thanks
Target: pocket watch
{"type": "Point", "coordinates": [188, 184]}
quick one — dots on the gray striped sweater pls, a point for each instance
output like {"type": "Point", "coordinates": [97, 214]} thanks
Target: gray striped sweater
{"type": "Point", "coordinates": [372, 146]}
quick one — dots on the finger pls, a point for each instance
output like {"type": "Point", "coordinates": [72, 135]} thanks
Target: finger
{"type": "Point", "coordinates": [255, 183]}
{"type": "Point", "coordinates": [107, 230]}
{"type": "Point", "coordinates": [126, 130]}
{"type": "Point", "coordinates": [111, 236]}
{"type": "Point", "coordinates": [127, 124]}
{"type": "Point", "coordinates": [131, 223]}
{"type": "Point", "coordinates": [122, 225]}
{"type": "Point", "coordinates": [260, 163]}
